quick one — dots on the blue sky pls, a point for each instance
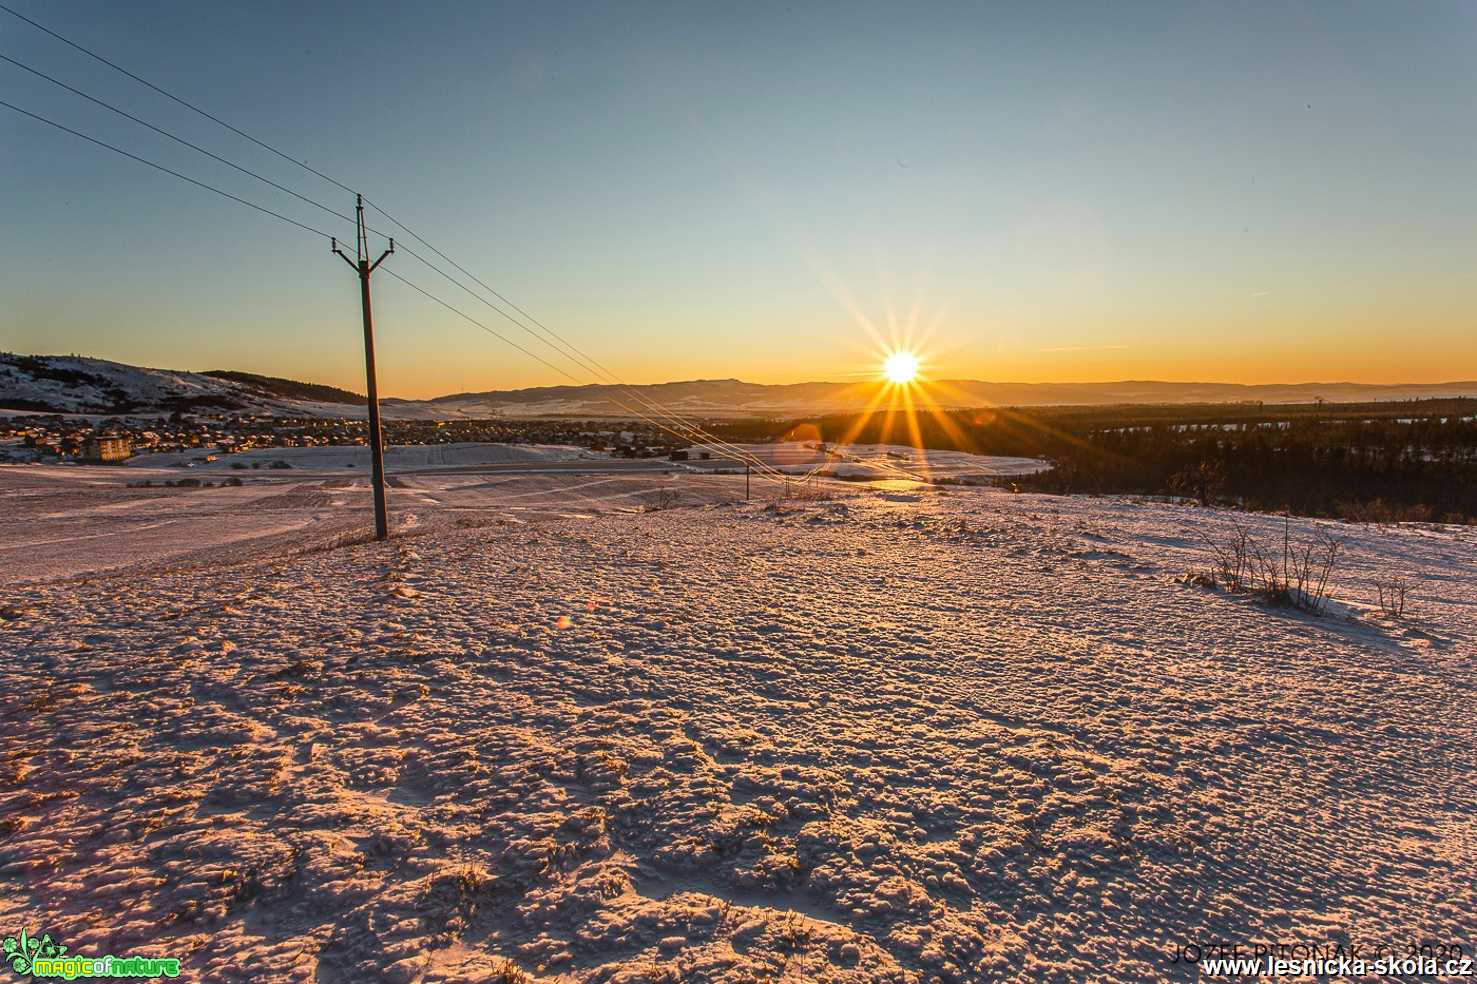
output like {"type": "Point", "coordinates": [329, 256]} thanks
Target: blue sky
{"type": "Point", "coordinates": [1237, 192]}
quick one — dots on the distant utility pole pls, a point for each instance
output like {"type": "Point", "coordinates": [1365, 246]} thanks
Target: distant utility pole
{"type": "Point", "coordinates": [364, 268]}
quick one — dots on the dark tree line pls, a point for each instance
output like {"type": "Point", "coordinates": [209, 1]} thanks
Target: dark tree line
{"type": "Point", "coordinates": [1377, 470]}
{"type": "Point", "coordinates": [1412, 460]}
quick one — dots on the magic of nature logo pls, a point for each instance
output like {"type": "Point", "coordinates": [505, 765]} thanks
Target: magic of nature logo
{"type": "Point", "coordinates": [43, 957]}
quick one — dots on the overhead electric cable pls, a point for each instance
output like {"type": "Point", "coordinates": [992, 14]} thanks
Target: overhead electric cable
{"type": "Point", "coordinates": [586, 361]}
{"type": "Point", "coordinates": [491, 331]}
{"type": "Point", "coordinates": [498, 335]}
{"type": "Point", "coordinates": [160, 167]}
{"type": "Point", "coordinates": [659, 408]}
{"type": "Point", "coordinates": [169, 95]}
{"type": "Point", "coordinates": [691, 432]}
{"type": "Point", "coordinates": [174, 137]}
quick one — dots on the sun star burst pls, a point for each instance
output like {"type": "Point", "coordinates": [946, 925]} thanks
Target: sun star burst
{"type": "Point", "coordinates": [900, 367]}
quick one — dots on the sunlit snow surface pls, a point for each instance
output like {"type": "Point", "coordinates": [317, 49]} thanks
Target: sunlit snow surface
{"type": "Point", "coordinates": [894, 734]}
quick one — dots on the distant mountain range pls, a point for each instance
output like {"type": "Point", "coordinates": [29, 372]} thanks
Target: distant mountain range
{"type": "Point", "coordinates": [73, 384]}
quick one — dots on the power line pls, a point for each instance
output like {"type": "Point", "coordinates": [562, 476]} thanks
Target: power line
{"type": "Point", "coordinates": [160, 167]}
{"type": "Point", "coordinates": [308, 228]}
{"type": "Point", "coordinates": [571, 352]}
{"type": "Point", "coordinates": [691, 431]}
{"type": "Point", "coordinates": [573, 358]}
{"type": "Point", "coordinates": [414, 235]}
{"type": "Point", "coordinates": [586, 361]}
{"type": "Point", "coordinates": [166, 93]}
{"type": "Point", "coordinates": [501, 337]}
{"type": "Point", "coordinates": [567, 348]}
{"type": "Point", "coordinates": [174, 137]}
{"type": "Point", "coordinates": [491, 331]}
{"type": "Point", "coordinates": [508, 317]}
{"type": "Point", "coordinates": [301, 225]}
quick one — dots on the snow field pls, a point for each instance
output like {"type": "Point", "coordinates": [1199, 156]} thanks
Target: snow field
{"type": "Point", "coordinates": [934, 736]}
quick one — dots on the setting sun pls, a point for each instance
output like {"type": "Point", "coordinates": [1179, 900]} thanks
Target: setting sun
{"type": "Point", "coordinates": [900, 367]}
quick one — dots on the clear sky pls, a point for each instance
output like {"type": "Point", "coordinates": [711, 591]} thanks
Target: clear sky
{"type": "Point", "coordinates": [1193, 191]}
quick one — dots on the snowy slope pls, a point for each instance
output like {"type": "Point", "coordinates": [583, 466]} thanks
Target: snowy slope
{"type": "Point", "coordinates": [72, 384]}
{"type": "Point", "coordinates": [944, 736]}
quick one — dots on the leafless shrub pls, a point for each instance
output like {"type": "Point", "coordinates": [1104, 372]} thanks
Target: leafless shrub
{"type": "Point", "coordinates": [1297, 575]}
{"type": "Point", "coordinates": [1233, 558]}
{"type": "Point", "coordinates": [1392, 596]}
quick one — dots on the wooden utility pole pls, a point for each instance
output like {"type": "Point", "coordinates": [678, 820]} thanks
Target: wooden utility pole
{"type": "Point", "coordinates": [364, 268]}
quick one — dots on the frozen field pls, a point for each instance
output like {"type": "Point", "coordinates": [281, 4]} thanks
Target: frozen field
{"type": "Point", "coordinates": [64, 520]}
{"type": "Point", "coordinates": [890, 735]}
{"type": "Point", "coordinates": [397, 457]}
{"type": "Point", "coordinates": [877, 461]}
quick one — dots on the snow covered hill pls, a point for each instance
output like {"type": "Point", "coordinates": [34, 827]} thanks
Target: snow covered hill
{"type": "Point", "coordinates": [73, 384]}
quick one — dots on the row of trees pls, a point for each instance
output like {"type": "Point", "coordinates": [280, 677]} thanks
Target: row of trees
{"type": "Point", "coordinates": [1413, 460]}
{"type": "Point", "coordinates": [1380, 471]}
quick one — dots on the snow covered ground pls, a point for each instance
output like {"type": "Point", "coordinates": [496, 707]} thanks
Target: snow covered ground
{"type": "Point", "coordinates": [397, 457]}
{"type": "Point", "coordinates": [871, 461]}
{"type": "Point", "coordinates": [874, 735]}
{"type": "Point", "coordinates": [70, 520]}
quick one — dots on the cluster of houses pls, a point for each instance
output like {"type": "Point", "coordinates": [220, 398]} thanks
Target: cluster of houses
{"type": "Point", "coordinates": [74, 437]}
{"type": "Point", "coordinates": [71, 437]}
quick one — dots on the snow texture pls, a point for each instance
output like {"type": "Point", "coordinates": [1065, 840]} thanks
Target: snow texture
{"type": "Point", "coordinates": [876, 735]}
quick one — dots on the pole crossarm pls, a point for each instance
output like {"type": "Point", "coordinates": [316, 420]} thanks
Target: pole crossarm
{"type": "Point", "coordinates": [382, 256]}
{"type": "Point", "coordinates": [345, 257]}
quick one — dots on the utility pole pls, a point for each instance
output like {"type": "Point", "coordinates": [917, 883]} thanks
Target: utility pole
{"type": "Point", "coordinates": [364, 268]}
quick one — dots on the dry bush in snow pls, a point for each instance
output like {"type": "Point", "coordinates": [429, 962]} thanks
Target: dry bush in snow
{"type": "Point", "coordinates": [1292, 574]}
{"type": "Point", "coordinates": [1392, 596]}
{"type": "Point", "coordinates": [1233, 558]}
